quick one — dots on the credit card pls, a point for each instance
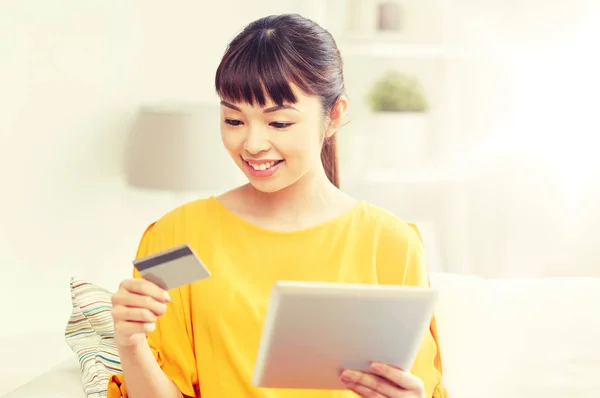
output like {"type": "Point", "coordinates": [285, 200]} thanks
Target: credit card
{"type": "Point", "coordinates": [172, 268]}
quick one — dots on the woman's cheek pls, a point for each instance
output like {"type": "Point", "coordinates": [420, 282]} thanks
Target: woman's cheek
{"type": "Point", "coordinates": [232, 142]}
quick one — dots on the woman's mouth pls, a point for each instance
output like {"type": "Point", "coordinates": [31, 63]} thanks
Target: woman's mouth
{"type": "Point", "coordinates": [262, 168]}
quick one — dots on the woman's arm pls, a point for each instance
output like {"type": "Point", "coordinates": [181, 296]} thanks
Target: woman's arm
{"type": "Point", "coordinates": [404, 242]}
{"type": "Point", "coordinates": [154, 346]}
{"type": "Point", "coordinates": [143, 376]}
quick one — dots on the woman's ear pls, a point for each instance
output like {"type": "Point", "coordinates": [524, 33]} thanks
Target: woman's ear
{"type": "Point", "coordinates": [336, 116]}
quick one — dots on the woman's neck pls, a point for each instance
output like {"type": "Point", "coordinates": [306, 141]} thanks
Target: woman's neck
{"type": "Point", "coordinates": [312, 189]}
{"type": "Point", "coordinates": [311, 200]}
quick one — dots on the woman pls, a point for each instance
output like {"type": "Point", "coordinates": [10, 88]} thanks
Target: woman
{"type": "Point", "coordinates": [282, 91]}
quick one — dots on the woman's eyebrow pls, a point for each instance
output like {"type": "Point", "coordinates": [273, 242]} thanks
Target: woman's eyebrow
{"type": "Point", "coordinates": [230, 106]}
{"type": "Point", "coordinates": [279, 108]}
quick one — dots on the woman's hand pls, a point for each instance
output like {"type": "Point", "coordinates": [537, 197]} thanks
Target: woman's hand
{"type": "Point", "coordinates": [136, 306]}
{"type": "Point", "coordinates": [385, 381]}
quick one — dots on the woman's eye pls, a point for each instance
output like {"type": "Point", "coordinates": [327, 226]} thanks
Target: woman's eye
{"type": "Point", "coordinates": [233, 122]}
{"type": "Point", "coordinates": [279, 125]}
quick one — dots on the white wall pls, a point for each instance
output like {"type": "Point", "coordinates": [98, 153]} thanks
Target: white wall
{"type": "Point", "coordinates": [534, 210]}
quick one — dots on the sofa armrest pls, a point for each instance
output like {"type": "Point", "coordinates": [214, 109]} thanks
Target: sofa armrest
{"type": "Point", "coordinates": [62, 381]}
{"type": "Point", "coordinates": [31, 355]}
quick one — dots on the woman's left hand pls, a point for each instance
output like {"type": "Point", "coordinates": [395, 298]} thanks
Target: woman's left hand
{"type": "Point", "coordinates": [385, 381]}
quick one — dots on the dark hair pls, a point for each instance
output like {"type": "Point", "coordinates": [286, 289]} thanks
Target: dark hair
{"type": "Point", "coordinates": [274, 51]}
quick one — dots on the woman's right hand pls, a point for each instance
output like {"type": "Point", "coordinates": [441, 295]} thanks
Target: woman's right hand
{"type": "Point", "coordinates": [136, 306]}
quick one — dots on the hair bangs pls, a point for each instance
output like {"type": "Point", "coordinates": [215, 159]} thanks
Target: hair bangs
{"type": "Point", "coordinates": [256, 70]}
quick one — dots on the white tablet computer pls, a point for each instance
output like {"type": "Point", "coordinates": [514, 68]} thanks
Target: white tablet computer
{"type": "Point", "coordinates": [314, 330]}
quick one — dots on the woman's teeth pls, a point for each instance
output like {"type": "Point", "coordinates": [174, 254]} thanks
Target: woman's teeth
{"type": "Point", "coordinates": [262, 166]}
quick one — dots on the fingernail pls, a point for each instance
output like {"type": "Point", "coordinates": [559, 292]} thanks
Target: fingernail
{"type": "Point", "coordinates": [167, 296]}
{"type": "Point", "coordinates": [376, 366]}
{"type": "Point", "coordinates": [347, 375]}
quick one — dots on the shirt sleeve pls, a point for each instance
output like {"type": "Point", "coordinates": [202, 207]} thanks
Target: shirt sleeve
{"type": "Point", "coordinates": [413, 271]}
{"type": "Point", "coordinates": [171, 342]}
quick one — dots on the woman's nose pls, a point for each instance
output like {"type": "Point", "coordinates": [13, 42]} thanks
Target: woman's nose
{"type": "Point", "coordinates": [257, 141]}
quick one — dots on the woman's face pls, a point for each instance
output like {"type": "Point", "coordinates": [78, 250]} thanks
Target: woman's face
{"type": "Point", "coordinates": [275, 146]}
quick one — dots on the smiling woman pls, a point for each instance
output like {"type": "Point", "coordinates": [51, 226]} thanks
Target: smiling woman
{"type": "Point", "coordinates": [277, 69]}
{"type": "Point", "coordinates": [282, 100]}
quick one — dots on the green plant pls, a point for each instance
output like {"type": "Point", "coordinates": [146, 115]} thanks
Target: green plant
{"type": "Point", "coordinates": [397, 92]}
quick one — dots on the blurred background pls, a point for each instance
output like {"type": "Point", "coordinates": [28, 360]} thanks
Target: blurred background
{"type": "Point", "coordinates": [476, 120]}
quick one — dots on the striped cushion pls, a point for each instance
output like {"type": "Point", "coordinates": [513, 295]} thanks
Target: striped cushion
{"type": "Point", "coordinates": [89, 333]}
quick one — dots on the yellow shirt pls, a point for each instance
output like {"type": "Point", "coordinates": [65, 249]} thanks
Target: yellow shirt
{"type": "Point", "coordinates": [208, 339]}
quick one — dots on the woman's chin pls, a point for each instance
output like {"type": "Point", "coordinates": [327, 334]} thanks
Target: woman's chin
{"type": "Point", "coordinates": [267, 185]}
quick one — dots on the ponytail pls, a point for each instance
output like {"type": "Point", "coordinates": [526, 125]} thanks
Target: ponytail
{"type": "Point", "coordinates": [329, 159]}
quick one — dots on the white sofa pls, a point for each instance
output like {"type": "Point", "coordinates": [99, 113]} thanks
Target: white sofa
{"type": "Point", "coordinates": [500, 338]}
